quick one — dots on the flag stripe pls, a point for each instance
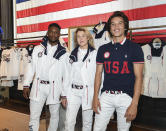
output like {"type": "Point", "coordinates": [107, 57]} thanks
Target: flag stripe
{"type": "Point", "coordinates": [71, 13]}
{"type": "Point", "coordinates": [35, 3]}
{"type": "Point", "coordinates": [94, 19]}
{"type": "Point", "coordinates": [87, 11]}
{"type": "Point", "coordinates": [57, 7]}
{"type": "Point", "coordinates": [33, 17]}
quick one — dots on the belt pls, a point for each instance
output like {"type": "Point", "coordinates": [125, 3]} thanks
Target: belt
{"type": "Point", "coordinates": [44, 82]}
{"type": "Point", "coordinates": [114, 92]}
{"type": "Point", "coordinates": [77, 86]}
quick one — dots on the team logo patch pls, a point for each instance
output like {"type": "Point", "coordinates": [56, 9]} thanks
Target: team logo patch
{"type": "Point", "coordinates": [40, 54]}
{"type": "Point", "coordinates": [26, 55]}
{"type": "Point", "coordinates": [149, 57]}
{"type": "Point", "coordinates": [70, 61]}
{"type": "Point", "coordinates": [106, 55]}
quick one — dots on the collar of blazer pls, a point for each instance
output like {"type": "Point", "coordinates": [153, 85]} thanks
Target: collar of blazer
{"type": "Point", "coordinates": [58, 53]}
{"type": "Point", "coordinates": [73, 57]}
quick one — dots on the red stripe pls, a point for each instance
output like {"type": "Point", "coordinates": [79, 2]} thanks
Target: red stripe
{"type": "Point", "coordinates": [148, 38]}
{"type": "Point", "coordinates": [147, 12]}
{"type": "Point", "coordinates": [34, 42]}
{"type": "Point", "coordinates": [87, 20]}
{"type": "Point", "coordinates": [65, 5]}
{"type": "Point", "coordinates": [135, 14]}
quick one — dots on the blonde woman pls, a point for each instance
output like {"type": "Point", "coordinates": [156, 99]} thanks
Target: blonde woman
{"type": "Point", "coordinates": [81, 87]}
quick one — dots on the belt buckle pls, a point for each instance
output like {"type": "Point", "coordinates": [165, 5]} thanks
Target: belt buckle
{"type": "Point", "coordinates": [112, 92]}
{"type": "Point", "coordinates": [44, 82]}
{"type": "Point", "coordinates": [118, 92]}
{"type": "Point", "coordinates": [77, 86]}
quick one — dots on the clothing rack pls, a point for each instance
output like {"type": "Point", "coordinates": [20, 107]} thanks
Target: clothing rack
{"type": "Point", "coordinates": [10, 42]}
{"type": "Point", "coordinates": [131, 35]}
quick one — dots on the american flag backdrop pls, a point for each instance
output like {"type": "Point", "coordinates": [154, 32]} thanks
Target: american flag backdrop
{"type": "Point", "coordinates": [32, 17]}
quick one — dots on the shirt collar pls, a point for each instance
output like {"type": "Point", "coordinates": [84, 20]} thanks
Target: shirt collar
{"type": "Point", "coordinates": [122, 42]}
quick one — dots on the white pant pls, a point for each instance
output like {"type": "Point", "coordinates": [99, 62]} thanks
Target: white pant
{"type": "Point", "coordinates": [62, 118]}
{"type": "Point", "coordinates": [71, 114]}
{"type": "Point", "coordinates": [36, 109]}
{"type": "Point", "coordinates": [110, 103]}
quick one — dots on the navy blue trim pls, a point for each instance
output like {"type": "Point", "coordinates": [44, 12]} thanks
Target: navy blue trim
{"type": "Point", "coordinates": [20, 1]}
{"type": "Point", "coordinates": [100, 34]}
{"type": "Point", "coordinates": [74, 53]}
{"type": "Point", "coordinates": [44, 44]}
{"type": "Point", "coordinates": [58, 53]}
{"type": "Point", "coordinates": [156, 52]}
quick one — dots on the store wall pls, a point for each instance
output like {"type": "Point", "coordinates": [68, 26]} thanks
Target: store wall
{"type": "Point", "coordinates": [6, 19]}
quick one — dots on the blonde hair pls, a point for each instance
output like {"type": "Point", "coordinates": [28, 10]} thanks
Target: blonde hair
{"type": "Point", "coordinates": [88, 34]}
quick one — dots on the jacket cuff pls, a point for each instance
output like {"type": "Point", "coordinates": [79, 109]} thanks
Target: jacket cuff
{"type": "Point", "coordinates": [63, 97]}
{"type": "Point", "coordinates": [25, 86]}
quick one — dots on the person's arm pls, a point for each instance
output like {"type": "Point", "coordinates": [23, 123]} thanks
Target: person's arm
{"type": "Point", "coordinates": [132, 109]}
{"type": "Point", "coordinates": [29, 75]}
{"type": "Point", "coordinates": [66, 80]}
{"type": "Point", "coordinates": [98, 77]}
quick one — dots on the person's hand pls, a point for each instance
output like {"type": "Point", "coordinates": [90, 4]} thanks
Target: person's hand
{"type": "Point", "coordinates": [64, 102]}
{"type": "Point", "coordinates": [26, 93]}
{"type": "Point", "coordinates": [131, 112]}
{"type": "Point", "coordinates": [96, 105]}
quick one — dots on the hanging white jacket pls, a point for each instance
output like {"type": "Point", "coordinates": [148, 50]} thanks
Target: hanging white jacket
{"type": "Point", "coordinates": [5, 64]}
{"type": "Point", "coordinates": [23, 66]}
{"type": "Point", "coordinates": [88, 69]}
{"type": "Point", "coordinates": [101, 35]}
{"type": "Point", "coordinates": [154, 81]}
{"type": "Point", "coordinates": [57, 73]}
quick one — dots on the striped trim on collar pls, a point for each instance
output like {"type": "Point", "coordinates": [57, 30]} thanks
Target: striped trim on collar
{"type": "Point", "coordinates": [122, 42]}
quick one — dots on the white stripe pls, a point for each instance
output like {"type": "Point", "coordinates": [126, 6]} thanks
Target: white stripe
{"type": "Point", "coordinates": [151, 29]}
{"type": "Point", "coordinates": [40, 33]}
{"type": "Point", "coordinates": [71, 13]}
{"type": "Point", "coordinates": [88, 10]}
{"type": "Point", "coordinates": [133, 24]}
{"type": "Point", "coordinates": [35, 3]}
{"type": "Point", "coordinates": [148, 22]}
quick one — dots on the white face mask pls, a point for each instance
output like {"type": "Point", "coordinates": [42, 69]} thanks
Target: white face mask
{"type": "Point", "coordinates": [30, 48]}
{"type": "Point", "coordinates": [157, 45]}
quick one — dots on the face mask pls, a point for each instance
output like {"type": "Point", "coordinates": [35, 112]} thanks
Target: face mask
{"type": "Point", "coordinates": [30, 48]}
{"type": "Point", "coordinates": [157, 45]}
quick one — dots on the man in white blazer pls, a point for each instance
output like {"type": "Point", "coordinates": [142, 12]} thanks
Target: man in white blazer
{"type": "Point", "coordinates": [48, 71]}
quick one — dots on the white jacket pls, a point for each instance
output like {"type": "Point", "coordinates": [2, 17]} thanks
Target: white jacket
{"type": "Point", "coordinates": [57, 73]}
{"type": "Point", "coordinates": [154, 81]}
{"type": "Point", "coordinates": [88, 75]}
{"type": "Point", "coordinates": [23, 66]}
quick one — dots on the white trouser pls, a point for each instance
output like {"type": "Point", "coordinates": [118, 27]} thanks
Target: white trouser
{"type": "Point", "coordinates": [110, 103]}
{"type": "Point", "coordinates": [62, 118]}
{"type": "Point", "coordinates": [71, 114]}
{"type": "Point", "coordinates": [36, 109]}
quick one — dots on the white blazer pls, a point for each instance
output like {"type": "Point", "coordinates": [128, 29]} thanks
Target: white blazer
{"type": "Point", "coordinates": [57, 74]}
{"type": "Point", "coordinates": [88, 75]}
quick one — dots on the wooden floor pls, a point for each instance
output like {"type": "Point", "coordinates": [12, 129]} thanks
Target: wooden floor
{"type": "Point", "coordinates": [24, 108]}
